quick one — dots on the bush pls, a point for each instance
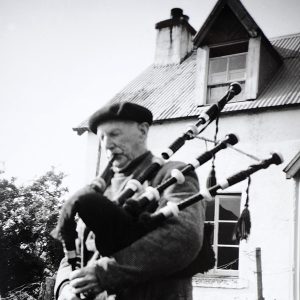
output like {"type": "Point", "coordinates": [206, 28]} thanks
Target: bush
{"type": "Point", "coordinates": [27, 215]}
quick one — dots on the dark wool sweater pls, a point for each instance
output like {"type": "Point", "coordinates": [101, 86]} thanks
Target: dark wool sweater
{"type": "Point", "coordinates": [145, 269]}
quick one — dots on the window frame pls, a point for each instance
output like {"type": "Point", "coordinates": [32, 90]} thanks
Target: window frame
{"type": "Point", "coordinates": [227, 81]}
{"type": "Point", "coordinates": [215, 271]}
{"type": "Point", "coordinates": [203, 56]}
{"type": "Point", "coordinates": [227, 57]}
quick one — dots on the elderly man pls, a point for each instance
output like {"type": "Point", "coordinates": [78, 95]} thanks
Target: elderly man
{"type": "Point", "coordinates": [151, 268]}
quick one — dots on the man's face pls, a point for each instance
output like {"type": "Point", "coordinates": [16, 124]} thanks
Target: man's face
{"type": "Point", "coordinates": [125, 140]}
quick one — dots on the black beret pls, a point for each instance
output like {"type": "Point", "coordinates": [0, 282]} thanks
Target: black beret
{"type": "Point", "coordinates": [125, 111]}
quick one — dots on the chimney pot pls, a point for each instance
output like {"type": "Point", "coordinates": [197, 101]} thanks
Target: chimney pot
{"type": "Point", "coordinates": [186, 18]}
{"type": "Point", "coordinates": [176, 13]}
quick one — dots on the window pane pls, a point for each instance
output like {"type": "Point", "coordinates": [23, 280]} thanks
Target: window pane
{"type": "Point", "coordinates": [218, 65]}
{"type": "Point", "coordinates": [228, 258]}
{"type": "Point", "coordinates": [237, 62]}
{"type": "Point", "coordinates": [229, 208]}
{"type": "Point", "coordinates": [237, 67]}
{"type": "Point", "coordinates": [225, 234]}
{"type": "Point", "coordinates": [217, 78]}
{"type": "Point", "coordinates": [216, 93]}
{"type": "Point", "coordinates": [237, 75]}
{"type": "Point", "coordinates": [217, 71]}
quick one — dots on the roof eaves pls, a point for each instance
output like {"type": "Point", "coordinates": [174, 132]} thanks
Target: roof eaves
{"type": "Point", "coordinates": [208, 22]}
{"type": "Point", "coordinates": [80, 130]}
{"type": "Point", "coordinates": [293, 167]}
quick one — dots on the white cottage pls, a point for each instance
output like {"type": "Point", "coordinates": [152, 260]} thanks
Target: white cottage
{"type": "Point", "coordinates": [191, 70]}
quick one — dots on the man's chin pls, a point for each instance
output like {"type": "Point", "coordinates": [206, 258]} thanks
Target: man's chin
{"type": "Point", "coordinates": [120, 163]}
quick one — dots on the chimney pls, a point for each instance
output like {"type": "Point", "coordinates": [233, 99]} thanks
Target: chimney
{"type": "Point", "coordinates": [174, 39]}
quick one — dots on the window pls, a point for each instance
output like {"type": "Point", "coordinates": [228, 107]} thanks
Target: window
{"type": "Point", "coordinates": [223, 213]}
{"type": "Point", "coordinates": [219, 65]}
{"type": "Point", "coordinates": [224, 70]}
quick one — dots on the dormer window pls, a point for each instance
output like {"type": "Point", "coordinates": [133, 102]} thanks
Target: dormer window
{"type": "Point", "coordinates": [231, 47]}
{"type": "Point", "coordinates": [222, 71]}
{"type": "Point", "coordinates": [220, 65]}
{"type": "Point", "coordinates": [227, 63]}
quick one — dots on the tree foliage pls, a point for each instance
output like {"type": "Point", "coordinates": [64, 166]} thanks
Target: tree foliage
{"type": "Point", "coordinates": [28, 213]}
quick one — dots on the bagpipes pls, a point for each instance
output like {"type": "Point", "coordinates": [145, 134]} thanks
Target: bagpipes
{"type": "Point", "coordinates": [118, 226]}
{"type": "Point", "coordinates": [152, 195]}
{"type": "Point", "coordinates": [173, 209]}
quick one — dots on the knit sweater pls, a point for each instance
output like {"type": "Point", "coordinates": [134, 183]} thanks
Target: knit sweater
{"type": "Point", "coordinates": [145, 269]}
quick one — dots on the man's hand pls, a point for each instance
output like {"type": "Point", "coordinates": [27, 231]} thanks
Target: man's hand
{"type": "Point", "coordinates": [67, 293]}
{"type": "Point", "coordinates": [85, 280]}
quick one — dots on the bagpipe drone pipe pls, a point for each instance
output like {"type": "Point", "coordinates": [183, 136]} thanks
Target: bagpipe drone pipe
{"type": "Point", "coordinates": [172, 209]}
{"type": "Point", "coordinates": [114, 226]}
{"type": "Point", "coordinates": [149, 199]}
{"type": "Point", "coordinates": [204, 119]}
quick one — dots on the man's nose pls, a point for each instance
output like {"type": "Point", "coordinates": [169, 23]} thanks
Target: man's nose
{"type": "Point", "coordinates": [109, 143]}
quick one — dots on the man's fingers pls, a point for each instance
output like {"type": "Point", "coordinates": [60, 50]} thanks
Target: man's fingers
{"type": "Point", "coordinates": [79, 282]}
{"type": "Point", "coordinates": [84, 280]}
{"type": "Point", "coordinates": [76, 274]}
{"type": "Point", "coordinates": [89, 270]}
{"type": "Point", "coordinates": [67, 294]}
{"type": "Point", "coordinates": [90, 287]}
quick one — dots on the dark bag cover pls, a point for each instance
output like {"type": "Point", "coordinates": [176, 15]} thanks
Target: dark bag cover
{"type": "Point", "coordinates": [205, 260]}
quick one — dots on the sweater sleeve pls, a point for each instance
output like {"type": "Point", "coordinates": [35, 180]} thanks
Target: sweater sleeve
{"type": "Point", "coordinates": [164, 251]}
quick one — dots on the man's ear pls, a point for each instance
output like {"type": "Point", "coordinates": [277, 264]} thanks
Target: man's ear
{"type": "Point", "coordinates": [144, 128]}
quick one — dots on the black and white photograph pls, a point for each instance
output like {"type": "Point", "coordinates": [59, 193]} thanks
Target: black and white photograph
{"type": "Point", "coordinates": [149, 150]}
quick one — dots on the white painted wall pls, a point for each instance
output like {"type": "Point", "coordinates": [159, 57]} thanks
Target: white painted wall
{"type": "Point", "coordinates": [272, 197]}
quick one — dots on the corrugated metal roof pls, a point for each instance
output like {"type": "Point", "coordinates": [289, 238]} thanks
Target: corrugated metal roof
{"type": "Point", "coordinates": [169, 92]}
{"type": "Point", "coordinates": [287, 46]}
